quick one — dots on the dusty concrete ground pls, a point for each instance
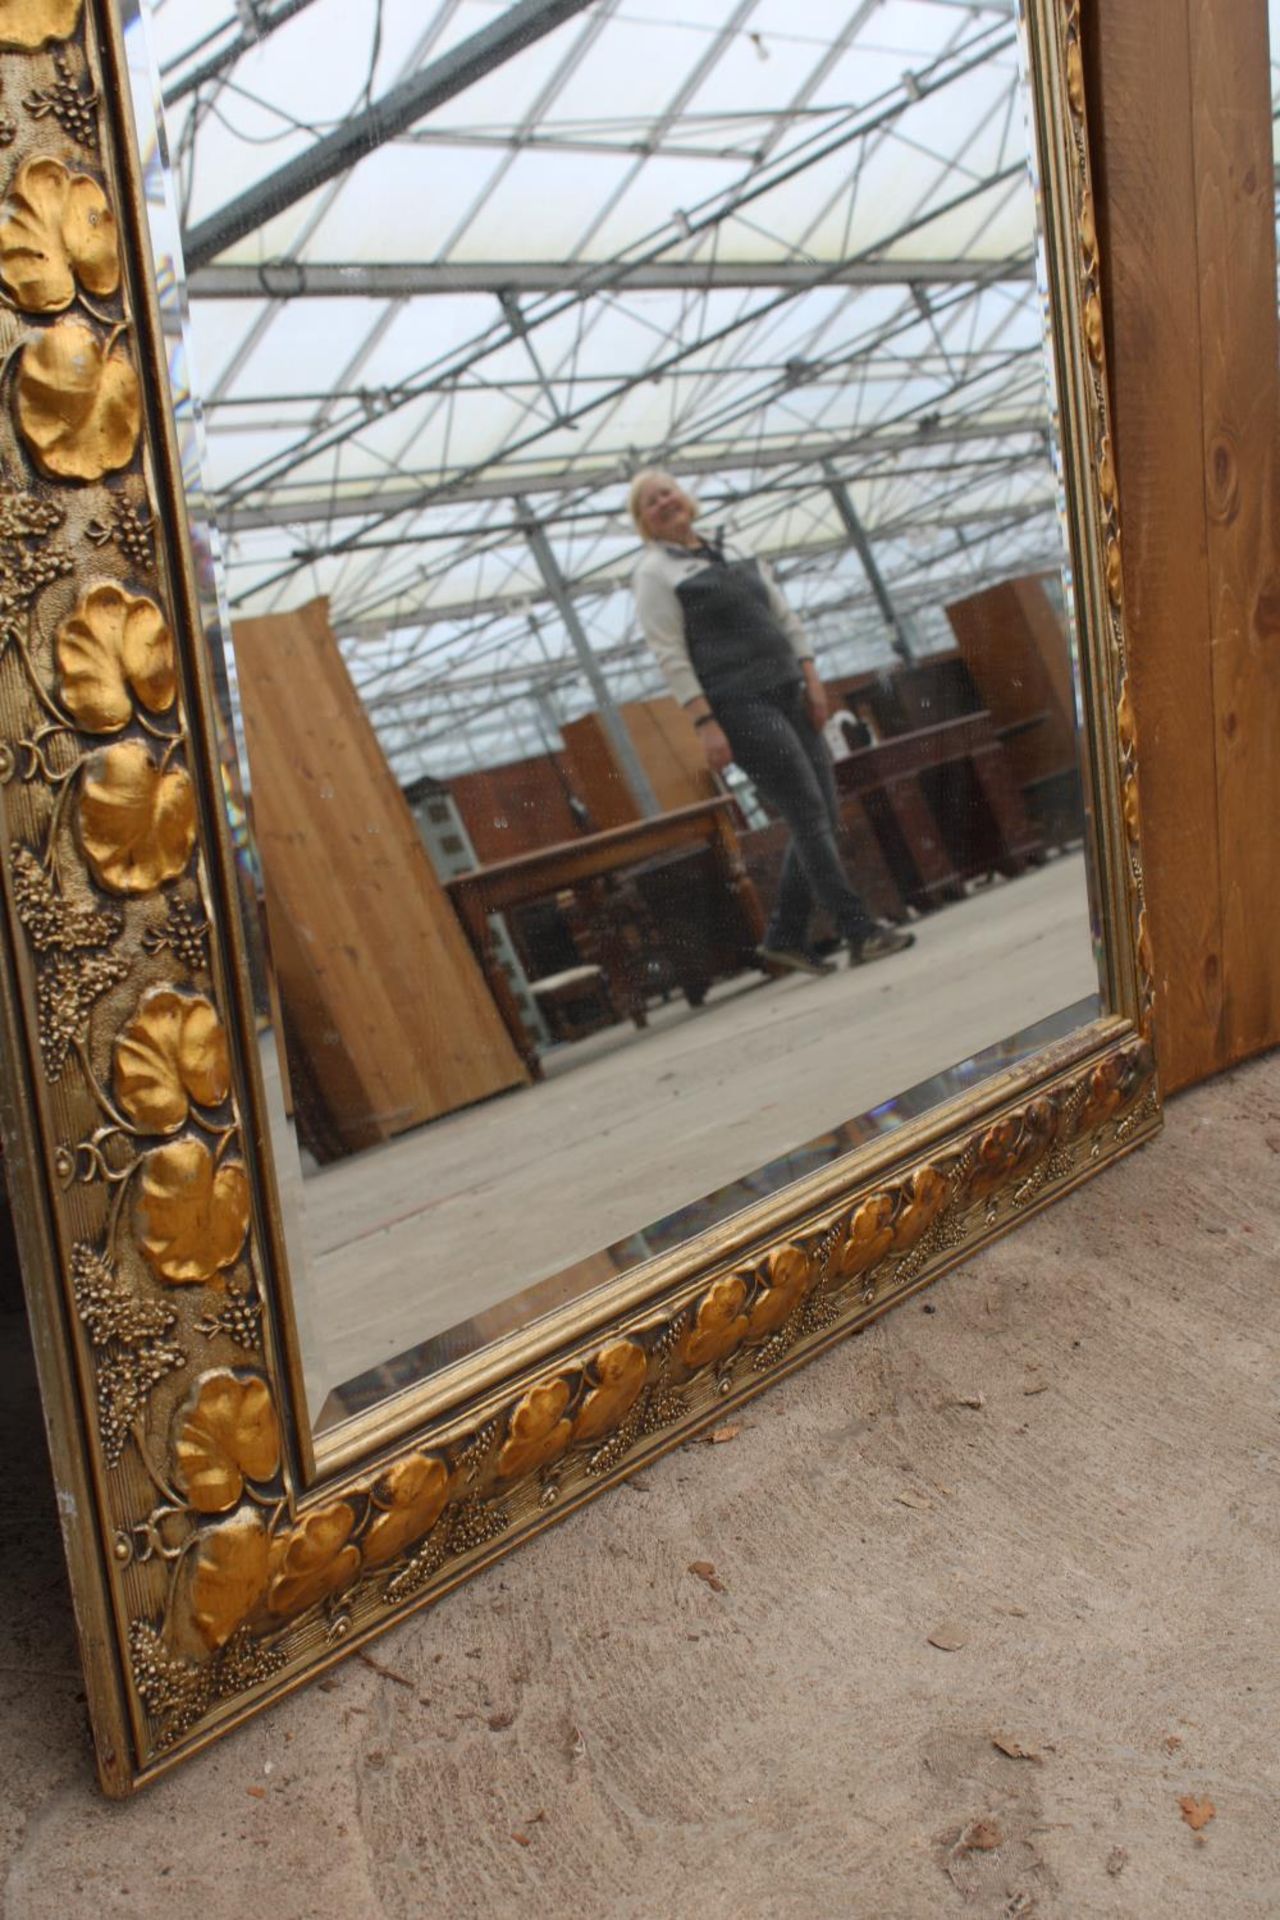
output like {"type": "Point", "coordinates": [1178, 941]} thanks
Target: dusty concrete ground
{"type": "Point", "coordinates": [589, 1729]}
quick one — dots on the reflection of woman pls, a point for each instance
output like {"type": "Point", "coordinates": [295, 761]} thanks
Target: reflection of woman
{"type": "Point", "coordinates": [735, 656]}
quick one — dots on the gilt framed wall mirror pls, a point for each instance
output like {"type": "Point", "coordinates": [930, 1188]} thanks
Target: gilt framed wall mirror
{"type": "Point", "coordinates": [570, 804]}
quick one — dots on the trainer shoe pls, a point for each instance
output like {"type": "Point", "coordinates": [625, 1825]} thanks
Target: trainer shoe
{"type": "Point", "coordinates": [780, 960]}
{"type": "Point", "coordinates": [879, 943]}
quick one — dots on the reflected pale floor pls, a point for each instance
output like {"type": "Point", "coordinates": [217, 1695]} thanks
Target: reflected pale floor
{"type": "Point", "coordinates": [412, 1238]}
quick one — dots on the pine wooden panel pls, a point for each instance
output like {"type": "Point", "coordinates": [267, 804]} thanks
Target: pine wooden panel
{"type": "Point", "coordinates": [1235, 216]}
{"type": "Point", "coordinates": [1014, 647]}
{"type": "Point", "coordinates": [375, 971]}
{"type": "Point", "coordinates": [666, 741]}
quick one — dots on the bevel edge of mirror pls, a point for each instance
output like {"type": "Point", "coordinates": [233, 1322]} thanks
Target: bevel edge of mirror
{"type": "Point", "coordinates": [389, 1379]}
{"type": "Point", "coordinates": [431, 1403]}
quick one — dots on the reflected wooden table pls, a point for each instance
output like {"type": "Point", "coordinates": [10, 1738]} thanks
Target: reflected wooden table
{"type": "Point", "coordinates": [944, 806]}
{"type": "Point", "coordinates": [593, 870]}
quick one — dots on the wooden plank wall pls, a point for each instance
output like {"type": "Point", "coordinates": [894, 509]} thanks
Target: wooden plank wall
{"type": "Point", "coordinates": [1182, 153]}
{"type": "Point", "coordinates": [379, 983]}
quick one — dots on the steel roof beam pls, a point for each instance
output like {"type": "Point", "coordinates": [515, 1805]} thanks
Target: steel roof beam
{"type": "Point", "coordinates": [704, 219]}
{"type": "Point", "coordinates": [383, 501]}
{"type": "Point", "coordinates": [325, 280]}
{"type": "Point", "coordinates": [515, 28]}
{"type": "Point", "coordinates": [465, 612]}
{"type": "Point", "coordinates": [265, 21]}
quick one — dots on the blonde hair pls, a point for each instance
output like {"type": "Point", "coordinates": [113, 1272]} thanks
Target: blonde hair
{"type": "Point", "coordinates": [645, 478]}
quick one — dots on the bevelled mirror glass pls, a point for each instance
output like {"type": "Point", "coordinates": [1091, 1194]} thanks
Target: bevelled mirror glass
{"type": "Point", "coordinates": [524, 1025]}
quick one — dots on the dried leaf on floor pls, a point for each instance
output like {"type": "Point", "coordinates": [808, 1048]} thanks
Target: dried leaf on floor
{"type": "Point", "coordinates": [577, 1744]}
{"type": "Point", "coordinates": [521, 1839]}
{"type": "Point", "coordinates": [974, 1400]}
{"type": "Point", "coordinates": [256, 1793]}
{"type": "Point", "coordinates": [498, 1722]}
{"type": "Point", "coordinates": [1172, 1741]}
{"type": "Point", "coordinates": [1015, 1749]}
{"type": "Point", "coordinates": [720, 1436]}
{"type": "Point", "coordinates": [1196, 1813]}
{"type": "Point", "coordinates": [948, 1639]}
{"type": "Point", "coordinates": [982, 1836]}
{"type": "Point", "coordinates": [387, 1673]}
{"type": "Point", "coordinates": [1036, 1386]}
{"type": "Point", "coordinates": [705, 1570]}
{"type": "Point", "coordinates": [919, 1501]}
{"type": "Point", "coordinates": [1117, 1861]}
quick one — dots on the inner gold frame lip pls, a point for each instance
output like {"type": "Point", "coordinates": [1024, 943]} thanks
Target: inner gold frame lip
{"type": "Point", "coordinates": [98, 1500]}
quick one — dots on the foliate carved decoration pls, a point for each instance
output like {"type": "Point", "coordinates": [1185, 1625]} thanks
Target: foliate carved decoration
{"type": "Point", "coordinates": [27, 24]}
{"type": "Point", "coordinates": [1089, 270]}
{"type": "Point", "coordinates": [233, 1578]}
{"type": "Point", "coordinates": [263, 1579]}
{"type": "Point", "coordinates": [108, 887]}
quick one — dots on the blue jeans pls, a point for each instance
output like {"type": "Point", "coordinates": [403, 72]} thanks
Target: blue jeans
{"type": "Point", "coordinates": [786, 759]}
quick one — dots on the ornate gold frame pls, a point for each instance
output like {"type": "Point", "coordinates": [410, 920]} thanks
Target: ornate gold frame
{"type": "Point", "coordinates": [212, 1567]}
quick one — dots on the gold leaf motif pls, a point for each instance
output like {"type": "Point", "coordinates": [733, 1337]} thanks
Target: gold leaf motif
{"type": "Point", "coordinates": [997, 1155]}
{"type": "Point", "coordinates": [1107, 1087]}
{"type": "Point", "coordinates": [56, 228]}
{"type": "Point", "coordinates": [410, 1498]}
{"type": "Point", "coordinates": [1088, 230]}
{"type": "Point", "coordinates": [312, 1560]}
{"type": "Point", "coordinates": [1146, 960]}
{"type": "Point", "coordinates": [79, 409]}
{"type": "Point", "coordinates": [867, 1238]}
{"type": "Point", "coordinates": [719, 1325]}
{"type": "Point", "coordinates": [115, 648]}
{"type": "Point", "coordinates": [191, 1216]}
{"type": "Point", "coordinates": [620, 1369]}
{"type": "Point", "coordinates": [230, 1576]}
{"type": "Point", "coordinates": [137, 822]}
{"type": "Point", "coordinates": [924, 1195]}
{"type": "Point", "coordinates": [1075, 79]}
{"type": "Point", "coordinates": [1115, 570]}
{"type": "Point", "coordinates": [1093, 328]}
{"type": "Point", "coordinates": [228, 1435]}
{"type": "Point", "coordinates": [32, 23]}
{"type": "Point", "coordinates": [539, 1432]}
{"type": "Point", "coordinates": [1125, 722]}
{"type": "Point", "coordinates": [1107, 474]}
{"type": "Point", "coordinates": [788, 1275]}
{"type": "Point", "coordinates": [1132, 809]}
{"type": "Point", "coordinates": [173, 1052]}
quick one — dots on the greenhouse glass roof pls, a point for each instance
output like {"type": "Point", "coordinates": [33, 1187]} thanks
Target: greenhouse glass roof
{"type": "Point", "coordinates": [449, 293]}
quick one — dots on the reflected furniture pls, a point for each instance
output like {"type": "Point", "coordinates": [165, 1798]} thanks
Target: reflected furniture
{"type": "Point", "coordinates": [595, 869]}
{"type": "Point", "coordinates": [358, 920]}
{"type": "Point", "coordinates": [1013, 640]}
{"type": "Point", "coordinates": [944, 807]}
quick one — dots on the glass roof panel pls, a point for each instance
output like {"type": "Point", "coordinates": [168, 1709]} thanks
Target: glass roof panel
{"type": "Point", "coordinates": [711, 168]}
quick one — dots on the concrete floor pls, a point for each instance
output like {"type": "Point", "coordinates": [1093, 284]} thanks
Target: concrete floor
{"type": "Point", "coordinates": [631, 1126]}
{"type": "Point", "coordinates": [588, 1729]}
